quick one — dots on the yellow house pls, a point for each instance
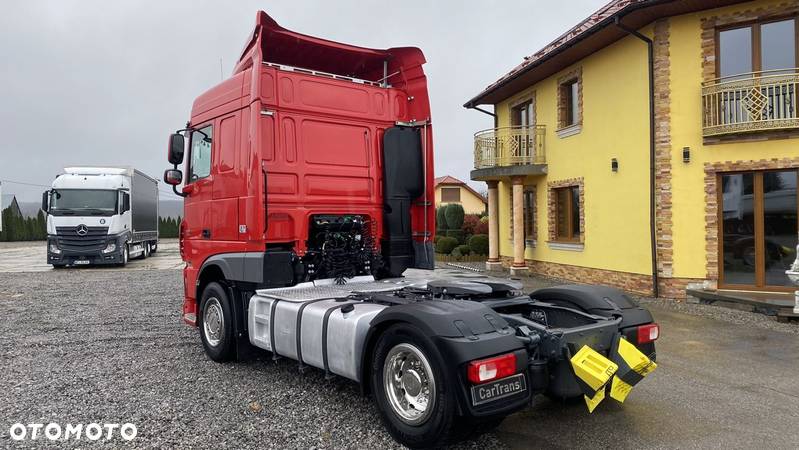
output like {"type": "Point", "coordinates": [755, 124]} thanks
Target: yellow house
{"type": "Point", "coordinates": [452, 190]}
{"type": "Point", "coordinates": [653, 146]}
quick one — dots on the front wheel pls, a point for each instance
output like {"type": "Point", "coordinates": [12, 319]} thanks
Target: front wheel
{"type": "Point", "coordinates": [415, 397]}
{"type": "Point", "coordinates": [125, 256]}
{"type": "Point", "coordinates": [216, 323]}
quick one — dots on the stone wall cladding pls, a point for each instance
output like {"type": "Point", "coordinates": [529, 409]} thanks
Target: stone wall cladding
{"type": "Point", "coordinates": [711, 201]}
{"type": "Point", "coordinates": [640, 284]}
{"type": "Point", "coordinates": [552, 202]}
{"type": "Point", "coordinates": [663, 149]}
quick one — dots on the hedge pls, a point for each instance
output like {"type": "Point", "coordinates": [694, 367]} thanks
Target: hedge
{"type": "Point", "coordinates": [446, 244]}
{"type": "Point", "coordinates": [479, 244]}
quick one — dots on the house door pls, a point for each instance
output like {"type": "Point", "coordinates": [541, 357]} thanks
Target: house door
{"type": "Point", "coordinates": [522, 119]}
{"type": "Point", "coordinates": [758, 226]}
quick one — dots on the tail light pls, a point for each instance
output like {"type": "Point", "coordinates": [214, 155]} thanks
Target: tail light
{"type": "Point", "coordinates": [648, 333]}
{"type": "Point", "coordinates": [483, 370]}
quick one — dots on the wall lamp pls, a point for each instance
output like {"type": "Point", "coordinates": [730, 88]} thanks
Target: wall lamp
{"type": "Point", "coordinates": [614, 165]}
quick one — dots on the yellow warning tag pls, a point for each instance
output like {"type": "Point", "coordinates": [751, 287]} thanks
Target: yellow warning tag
{"type": "Point", "coordinates": [619, 389]}
{"type": "Point", "coordinates": [592, 402]}
{"type": "Point", "coordinates": [635, 359]}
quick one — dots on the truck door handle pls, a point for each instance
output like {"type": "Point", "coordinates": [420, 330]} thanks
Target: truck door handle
{"type": "Point", "coordinates": [206, 233]}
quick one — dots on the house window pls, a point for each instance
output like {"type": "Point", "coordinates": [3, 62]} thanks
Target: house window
{"type": "Point", "coordinates": [567, 214]}
{"type": "Point", "coordinates": [451, 195]}
{"type": "Point", "coordinates": [529, 215]}
{"type": "Point", "coordinates": [570, 103]}
{"type": "Point", "coordinates": [764, 46]}
{"type": "Point", "coordinates": [522, 115]}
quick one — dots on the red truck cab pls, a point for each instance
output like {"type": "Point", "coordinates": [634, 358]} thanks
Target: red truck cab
{"type": "Point", "coordinates": [314, 159]}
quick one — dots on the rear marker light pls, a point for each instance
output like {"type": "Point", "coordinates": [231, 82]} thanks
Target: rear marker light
{"type": "Point", "coordinates": [648, 333]}
{"type": "Point", "coordinates": [483, 370]}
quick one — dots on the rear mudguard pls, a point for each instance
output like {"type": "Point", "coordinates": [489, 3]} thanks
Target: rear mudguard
{"type": "Point", "coordinates": [461, 331]}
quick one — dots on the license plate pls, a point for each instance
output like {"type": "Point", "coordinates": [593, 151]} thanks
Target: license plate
{"type": "Point", "coordinates": [495, 390]}
{"type": "Point", "coordinates": [82, 261]}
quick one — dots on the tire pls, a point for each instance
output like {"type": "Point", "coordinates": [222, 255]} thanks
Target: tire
{"type": "Point", "coordinates": [146, 252]}
{"type": "Point", "coordinates": [403, 348]}
{"type": "Point", "coordinates": [153, 247]}
{"type": "Point", "coordinates": [125, 256]}
{"type": "Point", "coordinates": [59, 266]}
{"type": "Point", "coordinates": [216, 323]}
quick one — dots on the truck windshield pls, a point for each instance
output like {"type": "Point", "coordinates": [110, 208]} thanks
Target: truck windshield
{"type": "Point", "coordinates": [83, 202]}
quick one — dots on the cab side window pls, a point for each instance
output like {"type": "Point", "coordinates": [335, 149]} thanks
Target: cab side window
{"type": "Point", "coordinates": [200, 164]}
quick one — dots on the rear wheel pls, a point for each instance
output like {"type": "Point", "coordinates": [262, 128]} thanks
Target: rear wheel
{"type": "Point", "coordinates": [146, 251]}
{"type": "Point", "coordinates": [216, 323]}
{"type": "Point", "coordinates": [413, 393]}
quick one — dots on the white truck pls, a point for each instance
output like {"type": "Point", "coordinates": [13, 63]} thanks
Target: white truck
{"type": "Point", "coordinates": [100, 215]}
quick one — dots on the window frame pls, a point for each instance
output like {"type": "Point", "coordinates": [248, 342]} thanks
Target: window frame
{"type": "Point", "coordinates": [570, 235]}
{"type": "Point", "coordinates": [190, 169]}
{"type": "Point", "coordinates": [757, 56]}
{"type": "Point", "coordinates": [450, 189]}
{"type": "Point", "coordinates": [528, 216]}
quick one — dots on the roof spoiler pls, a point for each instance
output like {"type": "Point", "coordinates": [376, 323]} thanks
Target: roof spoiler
{"type": "Point", "coordinates": [269, 42]}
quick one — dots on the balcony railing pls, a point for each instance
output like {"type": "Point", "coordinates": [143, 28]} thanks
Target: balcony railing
{"type": "Point", "coordinates": [509, 146]}
{"type": "Point", "coordinates": [751, 102]}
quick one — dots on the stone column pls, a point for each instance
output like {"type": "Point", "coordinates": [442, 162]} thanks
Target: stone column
{"type": "Point", "coordinates": [493, 262]}
{"type": "Point", "coordinates": [518, 267]}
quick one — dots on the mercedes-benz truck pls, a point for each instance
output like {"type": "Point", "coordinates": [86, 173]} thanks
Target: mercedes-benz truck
{"type": "Point", "coordinates": [100, 215]}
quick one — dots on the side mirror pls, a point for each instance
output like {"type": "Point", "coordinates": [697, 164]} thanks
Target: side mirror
{"type": "Point", "coordinates": [125, 203]}
{"type": "Point", "coordinates": [173, 177]}
{"type": "Point", "coordinates": [176, 148]}
{"type": "Point", "coordinates": [46, 201]}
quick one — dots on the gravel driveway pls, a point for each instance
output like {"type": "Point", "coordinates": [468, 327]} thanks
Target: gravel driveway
{"type": "Point", "coordinates": [108, 346]}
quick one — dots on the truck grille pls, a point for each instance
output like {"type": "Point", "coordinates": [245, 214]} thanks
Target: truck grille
{"type": "Point", "coordinates": [92, 241]}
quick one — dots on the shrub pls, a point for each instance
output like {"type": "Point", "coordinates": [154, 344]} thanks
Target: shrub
{"type": "Point", "coordinates": [441, 219]}
{"type": "Point", "coordinates": [436, 238]}
{"type": "Point", "coordinates": [445, 245]}
{"type": "Point", "coordinates": [456, 253]}
{"type": "Point", "coordinates": [454, 216]}
{"type": "Point", "coordinates": [473, 224]}
{"type": "Point", "coordinates": [479, 244]}
{"type": "Point", "coordinates": [458, 235]}
{"type": "Point", "coordinates": [462, 249]}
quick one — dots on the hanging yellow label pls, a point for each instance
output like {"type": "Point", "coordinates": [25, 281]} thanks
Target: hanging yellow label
{"type": "Point", "coordinates": [593, 402]}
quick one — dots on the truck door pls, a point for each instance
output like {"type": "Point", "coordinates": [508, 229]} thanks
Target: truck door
{"type": "Point", "coordinates": [199, 183]}
{"type": "Point", "coordinates": [229, 179]}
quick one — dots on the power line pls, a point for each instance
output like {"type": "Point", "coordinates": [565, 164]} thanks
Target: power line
{"type": "Point", "coordinates": [24, 184]}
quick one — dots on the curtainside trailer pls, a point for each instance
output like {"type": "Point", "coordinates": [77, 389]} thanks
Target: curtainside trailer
{"type": "Point", "coordinates": [100, 215]}
{"type": "Point", "coordinates": [309, 194]}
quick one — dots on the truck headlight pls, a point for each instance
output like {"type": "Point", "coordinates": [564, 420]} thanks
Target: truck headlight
{"type": "Point", "coordinates": [54, 248]}
{"type": "Point", "coordinates": [110, 248]}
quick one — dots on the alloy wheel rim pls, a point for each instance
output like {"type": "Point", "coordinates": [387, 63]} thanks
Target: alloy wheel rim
{"type": "Point", "coordinates": [213, 322]}
{"type": "Point", "coordinates": [409, 384]}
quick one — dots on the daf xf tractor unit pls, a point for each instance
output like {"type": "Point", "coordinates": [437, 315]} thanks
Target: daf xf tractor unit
{"type": "Point", "coordinates": [308, 194]}
{"type": "Point", "coordinates": [100, 215]}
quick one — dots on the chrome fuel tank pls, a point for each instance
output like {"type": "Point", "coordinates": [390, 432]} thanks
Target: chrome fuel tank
{"type": "Point", "coordinates": [327, 337]}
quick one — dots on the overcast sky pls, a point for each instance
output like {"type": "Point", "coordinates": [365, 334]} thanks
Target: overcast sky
{"type": "Point", "coordinates": [105, 82]}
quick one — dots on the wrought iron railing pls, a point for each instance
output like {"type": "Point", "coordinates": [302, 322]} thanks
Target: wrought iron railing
{"type": "Point", "coordinates": [751, 102]}
{"type": "Point", "coordinates": [509, 146]}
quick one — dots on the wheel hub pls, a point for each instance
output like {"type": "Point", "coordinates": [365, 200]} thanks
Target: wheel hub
{"type": "Point", "coordinates": [213, 322]}
{"type": "Point", "coordinates": [409, 384]}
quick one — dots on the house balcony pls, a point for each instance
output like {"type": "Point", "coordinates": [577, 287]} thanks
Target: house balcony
{"type": "Point", "coordinates": [509, 151]}
{"type": "Point", "coordinates": [753, 102]}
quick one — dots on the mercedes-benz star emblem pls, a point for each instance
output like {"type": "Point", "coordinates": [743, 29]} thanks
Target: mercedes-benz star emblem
{"type": "Point", "coordinates": [82, 230]}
